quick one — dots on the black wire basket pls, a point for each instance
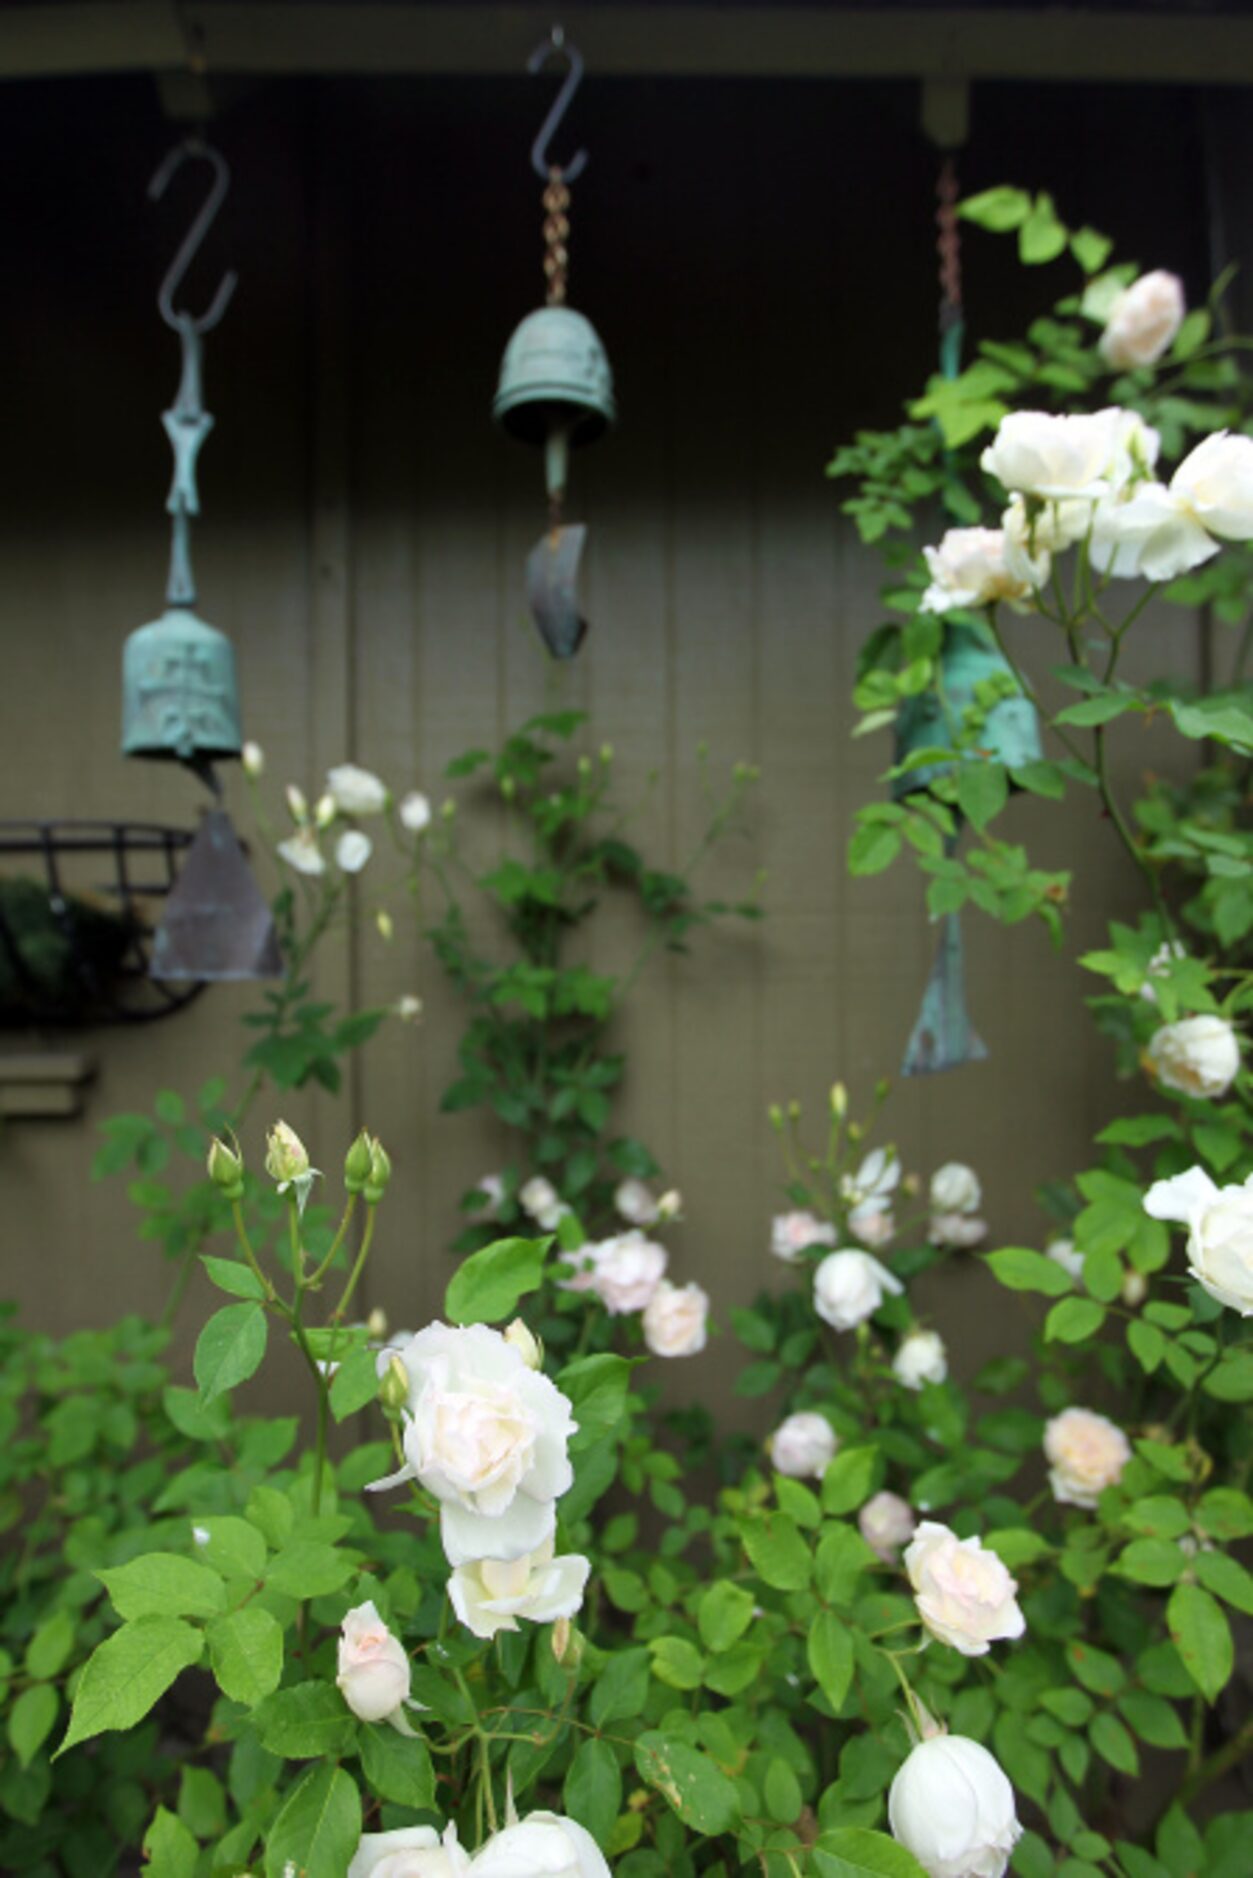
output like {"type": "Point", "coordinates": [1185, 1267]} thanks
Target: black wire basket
{"type": "Point", "coordinates": [78, 906]}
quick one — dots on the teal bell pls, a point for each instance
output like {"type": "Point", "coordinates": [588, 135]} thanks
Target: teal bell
{"type": "Point", "coordinates": [179, 695]}
{"type": "Point", "coordinates": [1011, 729]}
{"type": "Point", "coordinates": [556, 387]}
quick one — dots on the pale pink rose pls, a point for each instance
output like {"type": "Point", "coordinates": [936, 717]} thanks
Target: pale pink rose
{"type": "Point", "coordinates": [675, 1319]}
{"type": "Point", "coordinates": [965, 1596]}
{"type": "Point", "coordinates": [374, 1670]}
{"type": "Point", "coordinates": [792, 1233]}
{"type": "Point", "coordinates": [1143, 321]}
{"type": "Point", "coordinates": [1086, 1453]}
{"type": "Point", "coordinates": [920, 1359]}
{"type": "Point", "coordinates": [886, 1523]}
{"type": "Point", "coordinates": [872, 1224]}
{"type": "Point", "coordinates": [849, 1287]}
{"type": "Point", "coordinates": [627, 1270]}
{"type": "Point", "coordinates": [802, 1444]}
{"type": "Point", "coordinates": [970, 568]}
{"type": "Point", "coordinates": [1198, 1056]}
{"type": "Point", "coordinates": [956, 1229]}
{"type": "Point", "coordinates": [636, 1203]}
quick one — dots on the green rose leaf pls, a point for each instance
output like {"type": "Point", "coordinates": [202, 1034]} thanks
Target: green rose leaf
{"type": "Point", "coordinates": [487, 1286]}
{"type": "Point", "coordinates": [163, 1584]}
{"type": "Point", "coordinates": [397, 1766]}
{"type": "Point", "coordinates": [229, 1349]}
{"type": "Point", "coordinates": [677, 1663]}
{"type": "Point", "coordinates": [777, 1550]}
{"type": "Point", "coordinates": [999, 210]}
{"type": "Point", "coordinates": [1227, 1578]}
{"type": "Point", "coordinates": [319, 1826]}
{"type": "Point", "coordinates": [49, 1649]}
{"type": "Point", "coordinates": [232, 1546]}
{"type": "Point", "coordinates": [233, 1276]}
{"type": "Point", "coordinates": [597, 1388]}
{"type": "Point", "coordinates": [31, 1720]}
{"type": "Point", "coordinates": [1074, 1320]}
{"type": "Point", "coordinates": [1202, 1637]}
{"type": "Point", "coordinates": [830, 1651]}
{"type": "Point", "coordinates": [723, 1615]}
{"type": "Point", "coordinates": [593, 1788]}
{"type": "Point", "coordinates": [621, 1688]}
{"type": "Point", "coordinates": [850, 1479]}
{"type": "Point", "coordinates": [856, 1852]}
{"type": "Point", "coordinates": [354, 1384]}
{"type": "Point", "coordinates": [305, 1722]}
{"type": "Point", "coordinates": [130, 1671]}
{"type": "Point", "coordinates": [698, 1790]}
{"type": "Point", "coordinates": [1023, 1270]}
{"type": "Point", "coordinates": [170, 1851]}
{"type": "Point", "coordinates": [246, 1651]}
{"type": "Point", "coordinates": [306, 1568]}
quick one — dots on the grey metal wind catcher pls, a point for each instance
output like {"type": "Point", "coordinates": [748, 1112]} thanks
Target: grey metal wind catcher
{"type": "Point", "coordinates": [180, 698]}
{"type": "Point", "coordinates": [556, 387]}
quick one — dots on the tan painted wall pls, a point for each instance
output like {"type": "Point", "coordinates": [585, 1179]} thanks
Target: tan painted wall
{"type": "Point", "coordinates": [758, 259]}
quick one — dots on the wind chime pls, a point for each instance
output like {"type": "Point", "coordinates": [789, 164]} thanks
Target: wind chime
{"type": "Point", "coordinates": [556, 386]}
{"type": "Point", "coordinates": [180, 701]}
{"type": "Point", "coordinates": [943, 1036]}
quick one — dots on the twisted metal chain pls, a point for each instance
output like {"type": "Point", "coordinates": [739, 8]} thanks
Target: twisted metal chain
{"type": "Point", "coordinates": [556, 235]}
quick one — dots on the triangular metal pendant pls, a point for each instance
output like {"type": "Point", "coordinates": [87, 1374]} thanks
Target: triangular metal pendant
{"type": "Point", "coordinates": [217, 922]}
{"type": "Point", "coordinates": [552, 572]}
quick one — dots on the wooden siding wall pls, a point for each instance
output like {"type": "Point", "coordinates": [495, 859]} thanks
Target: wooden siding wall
{"type": "Point", "coordinates": [758, 258]}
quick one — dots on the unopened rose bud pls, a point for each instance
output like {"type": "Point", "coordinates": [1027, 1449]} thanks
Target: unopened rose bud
{"type": "Point", "coordinates": [776, 1116]}
{"type": "Point", "coordinates": [1135, 1288]}
{"type": "Point", "coordinates": [357, 1163]}
{"type": "Point", "coordinates": [448, 809]}
{"type": "Point", "coordinates": [252, 757]}
{"type": "Point", "coordinates": [793, 1111]}
{"type": "Point", "coordinates": [376, 1323]}
{"type": "Point", "coordinates": [585, 766]}
{"type": "Point", "coordinates": [839, 1101]}
{"type": "Point", "coordinates": [606, 753]}
{"type": "Point", "coordinates": [526, 1343]}
{"type": "Point", "coordinates": [911, 1184]}
{"type": "Point", "coordinates": [855, 1131]}
{"type": "Point", "coordinates": [297, 803]}
{"type": "Point", "coordinates": [567, 1644]}
{"type": "Point", "coordinates": [383, 920]}
{"type": "Point", "coordinates": [380, 1173]}
{"type": "Point", "coordinates": [408, 1008]}
{"type": "Point", "coordinates": [324, 811]}
{"type": "Point", "coordinates": [882, 1089]}
{"type": "Point", "coordinates": [670, 1205]}
{"type": "Point", "coordinates": [226, 1170]}
{"type": "Point", "coordinates": [286, 1157]}
{"type": "Point", "coordinates": [394, 1386]}
{"type": "Point", "coordinates": [508, 788]}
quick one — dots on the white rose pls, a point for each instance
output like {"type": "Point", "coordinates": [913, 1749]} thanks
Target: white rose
{"type": "Point", "coordinates": [955, 1189]}
{"type": "Point", "coordinates": [540, 1199]}
{"type": "Point", "coordinates": [1056, 457]}
{"type": "Point", "coordinates": [1198, 1056]}
{"type": "Point", "coordinates": [408, 1008]}
{"type": "Point", "coordinates": [1086, 1453]}
{"type": "Point", "coordinates": [969, 568]}
{"type": "Point", "coordinates": [1168, 953]}
{"type": "Point", "coordinates": [374, 1671]}
{"type": "Point", "coordinates": [635, 1203]}
{"type": "Point", "coordinates": [886, 1523]}
{"type": "Point", "coordinates": [487, 1436]}
{"type": "Point", "coordinates": [921, 1358]}
{"type": "Point", "coordinates": [1063, 1252]}
{"type": "Point", "coordinates": [1216, 482]}
{"type": "Point", "coordinates": [415, 812]}
{"type": "Point", "coordinates": [872, 1224]}
{"type": "Point", "coordinates": [1143, 321]}
{"type": "Point", "coordinates": [353, 850]}
{"type": "Point", "coordinates": [1147, 533]}
{"type": "Point", "coordinates": [802, 1444]}
{"type": "Point", "coordinates": [356, 791]}
{"type": "Point", "coordinates": [965, 1596]}
{"type": "Point", "coordinates": [409, 1852]}
{"type": "Point", "coordinates": [1220, 1232]}
{"type": "Point", "coordinates": [302, 852]}
{"type": "Point", "coordinates": [956, 1229]}
{"type": "Point", "coordinates": [850, 1286]}
{"type": "Point", "coordinates": [952, 1807]}
{"type": "Point", "coordinates": [543, 1845]}
{"type": "Point", "coordinates": [792, 1233]}
{"type": "Point", "coordinates": [875, 1181]}
{"type": "Point", "coordinates": [492, 1594]}
{"type": "Point", "coordinates": [628, 1269]}
{"type": "Point", "coordinates": [675, 1319]}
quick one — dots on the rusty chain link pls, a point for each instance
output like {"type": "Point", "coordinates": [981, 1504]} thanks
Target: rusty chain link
{"type": "Point", "coordinates": [556, 234]}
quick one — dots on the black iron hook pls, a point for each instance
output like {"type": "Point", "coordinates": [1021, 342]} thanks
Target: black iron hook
{"type": "Point", "coordinates": [541, 162]}
{"type": "Point", "coordinates": [192, 240]}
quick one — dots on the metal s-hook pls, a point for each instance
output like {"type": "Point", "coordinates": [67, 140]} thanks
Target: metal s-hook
{"type": "Point", "coordinates": [192, 240]}
{"type": "Point", "coordinates": [542, 163]}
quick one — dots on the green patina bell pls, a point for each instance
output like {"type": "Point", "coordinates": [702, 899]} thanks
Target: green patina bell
{"type": "Point", "coordinates": [556, 387]}
{"type": "Point", "coordinates": [1011, 731]}
{"type": "Point", "coordinates": [943, 1036]}
{"type": "Point", "coordinates": [179, 695]}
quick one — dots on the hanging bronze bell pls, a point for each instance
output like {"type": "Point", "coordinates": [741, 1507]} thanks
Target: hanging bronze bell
{"type": "Point", "coordinates": [1011, 730]}
{"type": "Point", "coordinates": [556, 387]}
{"type": "Point", "coordinates": [179, 695]}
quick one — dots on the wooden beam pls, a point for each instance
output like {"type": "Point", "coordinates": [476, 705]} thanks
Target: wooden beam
{"type": "Point", "coordinates": [68, 37]}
